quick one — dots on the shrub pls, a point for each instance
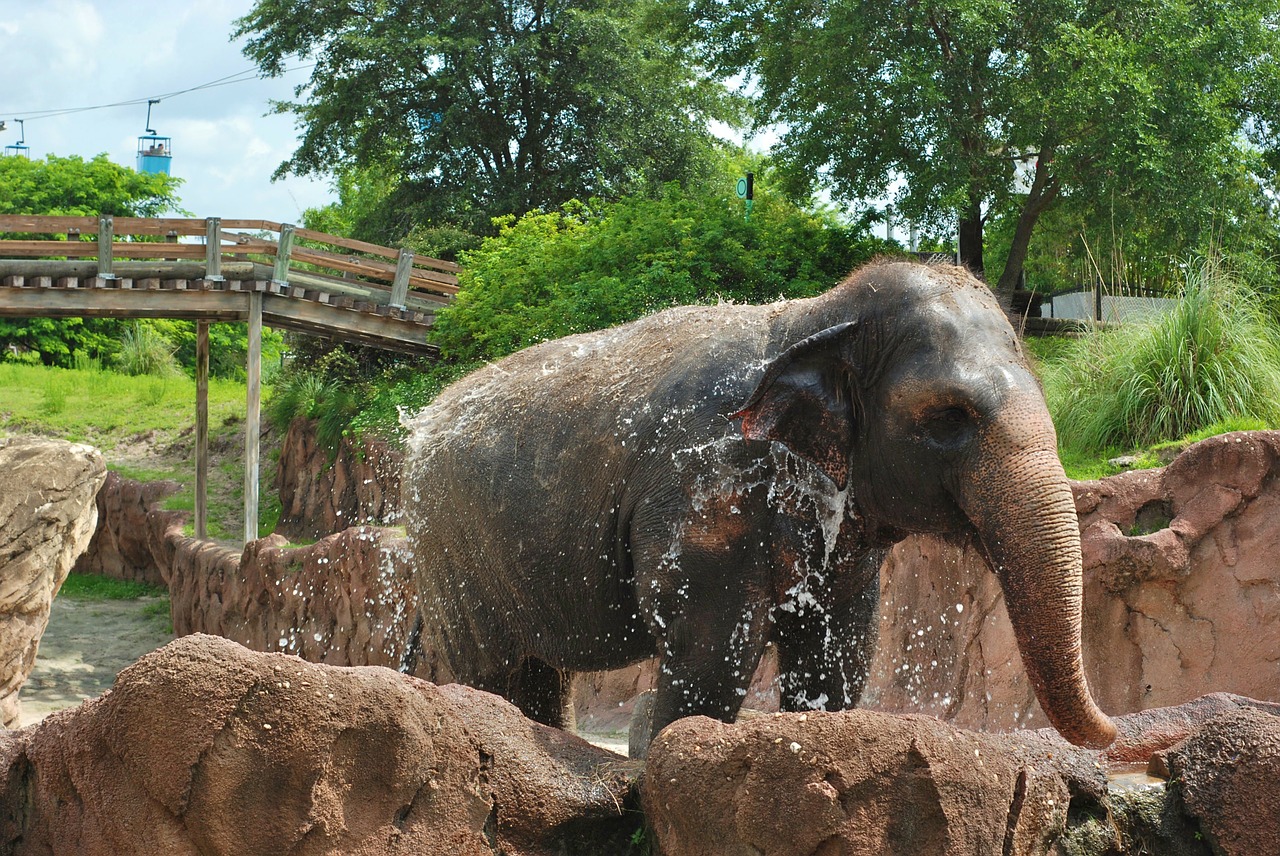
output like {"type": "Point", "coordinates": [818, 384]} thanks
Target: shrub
{"type": "Point", "coordinates": [1215, 357]}
{"type": "Point", "coordinates": [146, 351]}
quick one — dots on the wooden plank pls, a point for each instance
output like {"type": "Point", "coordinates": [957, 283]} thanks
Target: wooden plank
{"type": "Point", "coordinates": [105, 238]}
{"type": "Point", "coordinates": [46, 224]}
{"type": "Point", "coordinates": [400, 287]}
{"type": "Point", "coordinates": [259, 225]}
{"type": "Point", "coordinates": [86, 268]}
{"type": "Point", "coordinates": [442, 282]}
{"type": "Point", "coordinates": [213, 248]}
{"type": "Point", "coordinates": [119, 249]}
{"type": "Point", "coordinates": [202, 429]}
{"type": "Point", "coordinates": [158, 226]}
{"type": "Point", "coordinates": [253, 415]}
{"type": "Point", "coordinates": [281, 271]}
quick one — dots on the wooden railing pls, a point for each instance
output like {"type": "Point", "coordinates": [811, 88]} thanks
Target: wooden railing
{"type": "Point", "coordinates": [342, 266]}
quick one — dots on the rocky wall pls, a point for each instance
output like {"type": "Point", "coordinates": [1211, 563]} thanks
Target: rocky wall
{"type": "Point", "coordinates": [205, 747]}
{"type": "Point", "coordinates": [122, 544]}
{"type": "Point", "coordinates": [47, 517]}
{"type": "Point", "coordinates": [322, 492]}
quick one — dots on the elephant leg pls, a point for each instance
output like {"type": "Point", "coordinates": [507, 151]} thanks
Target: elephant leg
{"type": "Point", "coordinates": [825, 651]}
{"type": "Point", "coordinates": [706, 667]}
{"type": "Point", "coordinates": [541, 692]}
{"type": "Point", "coordinates": [412, 653]}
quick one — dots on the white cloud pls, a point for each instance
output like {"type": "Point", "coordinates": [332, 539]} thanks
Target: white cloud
{"type": "Point", "coordinates": [62, 54]}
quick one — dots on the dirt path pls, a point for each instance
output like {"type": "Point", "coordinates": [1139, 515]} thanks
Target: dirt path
{"type": "Point", "coordinates": [86, 644]}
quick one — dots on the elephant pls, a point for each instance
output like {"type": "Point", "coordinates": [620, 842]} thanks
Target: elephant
{"type": "Point", "coordinates": [709, 479]}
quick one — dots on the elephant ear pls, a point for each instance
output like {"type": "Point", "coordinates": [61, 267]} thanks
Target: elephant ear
{"type": "Point", "coordinates": [804, 403]}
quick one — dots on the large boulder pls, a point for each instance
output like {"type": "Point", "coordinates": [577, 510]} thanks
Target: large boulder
{"type": "Point", "coordinates": [1229, 777]}
{"type": "Point", "coordinates": [861, 782]}
{"type": "Point", "coordinates": [206, 747]}
{"type": "Point", "coordinates": [47, 517]}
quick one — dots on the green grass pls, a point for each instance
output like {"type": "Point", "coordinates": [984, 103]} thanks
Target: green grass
{"type": "Point", "coordinates": [95, 587]}
{"type": "Point", "coordinates": [105, 407]}
{"type": "Point", "coordinates": [118, 413]}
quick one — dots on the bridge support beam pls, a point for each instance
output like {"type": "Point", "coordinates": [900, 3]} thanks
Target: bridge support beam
{"type": "Point", "coordinates": [202, 429]}
{"type": "Point", "coordinates": [253, 417]}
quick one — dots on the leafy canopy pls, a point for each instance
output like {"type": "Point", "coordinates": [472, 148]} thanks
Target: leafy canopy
{"type": "Point", "coordinates": [485, 107]}
{"type": "Point", "coordinates": [75, 186]}
{"type": "Point", "coordinates": [1151, 100]}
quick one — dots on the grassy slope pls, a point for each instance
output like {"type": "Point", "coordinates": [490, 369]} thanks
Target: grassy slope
{"type": "Point", "coordinates": [145, 428]}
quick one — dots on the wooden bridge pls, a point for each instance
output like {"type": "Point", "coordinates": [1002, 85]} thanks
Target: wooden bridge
{"type": "Point", "coordinates": [308, 281]}
{"type": "Point", "coordinates": [215, 270]}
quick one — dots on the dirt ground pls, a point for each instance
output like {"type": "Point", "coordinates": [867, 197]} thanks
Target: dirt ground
{"type": "Point", "coordinates": [85, 646]}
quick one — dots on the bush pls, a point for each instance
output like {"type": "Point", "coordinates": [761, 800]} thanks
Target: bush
{"type": "Point", "coordinates": [594, 265]}
{"type": "Point", "coordinates": [144, 350]}
{"type": "Point", "coordinates": [1214, 358]}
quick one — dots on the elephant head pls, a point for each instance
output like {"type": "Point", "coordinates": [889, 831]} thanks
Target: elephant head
{"type": "Point", "coordinates": [923, 406]}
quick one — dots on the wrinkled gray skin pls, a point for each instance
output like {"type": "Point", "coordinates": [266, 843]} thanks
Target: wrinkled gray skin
{"type": "Point", "coordinates": [708, 479]}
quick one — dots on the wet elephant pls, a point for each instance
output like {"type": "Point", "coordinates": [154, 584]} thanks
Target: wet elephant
{"type": "Point", "coordinates": [708, 479]}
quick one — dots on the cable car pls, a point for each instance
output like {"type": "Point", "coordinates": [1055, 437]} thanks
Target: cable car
{"type": "Point", "coordinates": [155, 153]}
{"type": "Point", "coordinates": [18, 149]}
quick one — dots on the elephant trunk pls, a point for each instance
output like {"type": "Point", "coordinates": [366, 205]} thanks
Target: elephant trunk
{"type": "Point", "coordinates": [1021, 503]}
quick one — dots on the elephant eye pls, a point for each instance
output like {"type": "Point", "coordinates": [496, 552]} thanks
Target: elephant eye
{"type": "Point", "coordinates": [948, 426]}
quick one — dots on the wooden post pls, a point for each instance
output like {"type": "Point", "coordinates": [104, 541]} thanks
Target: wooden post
{"type": "Point", "coordinates": [202, 429]}
{"type": "Point", "coordinates": [252, 416]}
{"type": "Point", "coordinates": [213, 249]}
{"type": "Point", "coordinates": [106, 234]}
{"type": "Point", "coordinates": [400, 286]}
{"type": "Point", "coordinates": [1097, 300]}
{"type": "Point", "coordinates": [283, 249]}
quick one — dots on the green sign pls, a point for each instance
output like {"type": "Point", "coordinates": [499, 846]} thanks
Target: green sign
{"type": "Point", "coordinates": [742, 188]}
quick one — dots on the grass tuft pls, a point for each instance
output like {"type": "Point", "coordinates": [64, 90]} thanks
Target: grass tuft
{"type": "Point", "coordinates": [1214, 358]}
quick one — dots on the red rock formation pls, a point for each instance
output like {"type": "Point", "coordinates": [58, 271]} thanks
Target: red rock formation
{"type": "Point", "coordinates": [322, 492]}
{"type": "Point", "coordinates": [205, 747]}
{"type": "Point", "coordinates": [47, 517]}
{"type": "Point", "coordinates": [1227, 774]}
{"type": "Point", "coordinates": [348, 599]}
{"type": "Point", "coordinates": [122, 544]}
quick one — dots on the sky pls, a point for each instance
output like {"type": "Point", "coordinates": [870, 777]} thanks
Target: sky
{"type": "Point", "coordinates": [64, 54]}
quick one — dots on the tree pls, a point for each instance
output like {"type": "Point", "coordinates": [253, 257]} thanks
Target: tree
{"type": "Point", "coordinates": [75, 187]}
{"type": "Point", "coordinates": [1153, 100]}
{"type": "Point", "coordinates": [485, 107]}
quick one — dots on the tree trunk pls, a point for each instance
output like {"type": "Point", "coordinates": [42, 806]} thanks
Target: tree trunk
{"type": "Point", "coordinates": [970, 237]}
{"type": "Point", "coordinates": [1043, 191]}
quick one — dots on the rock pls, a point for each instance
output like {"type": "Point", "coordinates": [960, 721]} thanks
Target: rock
{"type": "Point", "coordinates": [855, 783]}
{"type": "Point", "coordinates": [1228, 774]}
{"type": "Point", "coordinates": [322, 492]}
{"type": "Point", "coordinates": [122, 544]}
{"type": "Point", "coordinates": [861, 782]}
{"type": "Point", "coordinates": [346, 600]}
{"type": "Point", "coordinates": [47, 517]}
{"type": "Point", "coordinates": [205, 747]}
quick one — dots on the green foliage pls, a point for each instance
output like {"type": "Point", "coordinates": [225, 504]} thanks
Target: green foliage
{"type": "Point", "coordinates": [480, 107]}
{"type": "Point", "coordinates": [1214, 357]}
{"type": "Point", "coordinates": [1162, 104]}
{"type": "Point", "coordinates": [95, 587]}
{"type": "Point", "coordinates": [144, 350]}
{"type": "Point", "coordinates": [74, 186]}
{"type": "Point", "coordinates": [586, 267]}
